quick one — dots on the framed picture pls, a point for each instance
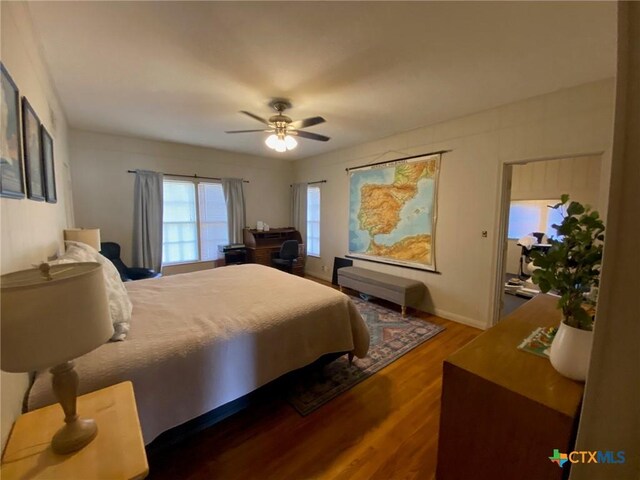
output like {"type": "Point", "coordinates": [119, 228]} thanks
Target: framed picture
{"type": "Point", "coordinates": [49, 166]}
{"type": "Point", "coordinates": [32, 152]}
{"type": "Point", "coordinates": [11, 173]}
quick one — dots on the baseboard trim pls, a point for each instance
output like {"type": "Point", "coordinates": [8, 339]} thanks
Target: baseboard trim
{"type": "Point", "coordinates": [454, 317]}
{"type": "Point", "coordinates": [319, 275]}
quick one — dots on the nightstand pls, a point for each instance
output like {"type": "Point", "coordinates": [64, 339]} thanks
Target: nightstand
{"type": "Point", "coordinates": [116, 453]}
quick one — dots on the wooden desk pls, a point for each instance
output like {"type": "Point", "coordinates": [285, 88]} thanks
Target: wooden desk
{"type": "Point", "coordinates": [505, 410]}
{"type": "Point", "coordinates": [117, 452]}
{"type": "Point", "coordinates": [262, 245]}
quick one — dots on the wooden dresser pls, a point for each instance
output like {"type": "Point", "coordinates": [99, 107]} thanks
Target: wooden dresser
{"type": "Point", "coordinates": [261, 245]}
{"type": "Point", "coordinates": [504, 411]}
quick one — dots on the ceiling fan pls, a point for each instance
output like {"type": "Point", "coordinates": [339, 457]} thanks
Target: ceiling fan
{"type": "Point", "coordinates": [283, 129]}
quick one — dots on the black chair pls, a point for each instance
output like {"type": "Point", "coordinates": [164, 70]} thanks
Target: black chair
{"type": "Point", "coordinates": [288, 255]}
{"type": "Point", "coordinates": [111, 250]}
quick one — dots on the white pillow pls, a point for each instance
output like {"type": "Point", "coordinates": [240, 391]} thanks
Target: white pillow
{"type": "Point", "coordinates": [120, 306]}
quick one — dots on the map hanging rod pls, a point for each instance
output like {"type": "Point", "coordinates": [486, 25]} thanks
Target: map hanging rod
{"type": "Point", "coordinates": [397, 160]}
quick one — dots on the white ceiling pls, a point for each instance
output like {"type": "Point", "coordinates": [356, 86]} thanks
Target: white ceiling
{"type": "Point", "coordinates": [181, 71]}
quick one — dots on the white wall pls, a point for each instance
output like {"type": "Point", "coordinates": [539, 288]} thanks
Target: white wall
{"type": "Point", "coordinates": [31, 231]}
{"type": "Point", "coordinates": [103, 190]}
{"type": "Point", "coordinates": [567, 122]}
{"type": "Point", "coordinates": [549, 179]}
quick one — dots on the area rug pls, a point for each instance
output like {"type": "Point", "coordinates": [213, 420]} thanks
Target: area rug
{"type": "Point", "coordinates": [391, 337]}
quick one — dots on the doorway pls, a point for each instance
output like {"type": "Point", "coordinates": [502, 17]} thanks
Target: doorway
{"type": "Point", "coordinates": [528, 188]}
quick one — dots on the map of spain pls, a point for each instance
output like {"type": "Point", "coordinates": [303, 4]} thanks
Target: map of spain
{"type": "Point", "coordinates": [391, 212]}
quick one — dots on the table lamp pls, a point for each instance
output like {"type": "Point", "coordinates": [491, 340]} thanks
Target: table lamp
{"type": "Point", "coordinates": [51, 315]}
{"type": "Point", "coordinates": [90, 236]}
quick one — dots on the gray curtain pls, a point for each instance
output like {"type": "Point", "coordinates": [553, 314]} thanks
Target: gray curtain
{"type": "Point", "coordinates": [147, 220]}
{"type": "Point", "coordinates": [236, 216]}
{"type": "Point", "coordinates": [299, 209]}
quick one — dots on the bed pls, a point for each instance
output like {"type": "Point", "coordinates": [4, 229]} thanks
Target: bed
{"type": "Point", "coordinates": [200, 340]}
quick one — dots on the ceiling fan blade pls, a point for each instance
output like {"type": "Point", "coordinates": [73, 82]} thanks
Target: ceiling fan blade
{"type": "Point", "coordinates": [256, 117]}
{"type": "Point", "coordinates": [309, 135]}
{"type": "Point", "coordinates": [247, 131]}
{"type": "Point", "coordinates": [307, 122]}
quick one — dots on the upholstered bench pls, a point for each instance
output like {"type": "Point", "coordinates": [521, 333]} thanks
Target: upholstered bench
{"type": "Point", "coordinates": [403, 291]}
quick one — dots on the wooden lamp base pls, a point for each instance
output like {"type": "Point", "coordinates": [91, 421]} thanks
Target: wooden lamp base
{"type": "Point", "coordinates": [73, 436]}
{"type": "Point", "coordinates": [77, 432]}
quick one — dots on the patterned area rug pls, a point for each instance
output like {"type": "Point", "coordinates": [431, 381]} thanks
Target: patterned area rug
{"type": "Point", "coordinates": [391, 337]}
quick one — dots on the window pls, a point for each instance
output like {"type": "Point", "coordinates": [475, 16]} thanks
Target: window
{"type": "Point", "coordinates": [527, 216]}
{"type": "Point", "coordinates": [213, 219]}
{"type": "Point", "coordinates": [313, 221]}
{"type": "Point", "coordinates": [179, 227]}
{"type": "Point", "coordinates": [194, 221]}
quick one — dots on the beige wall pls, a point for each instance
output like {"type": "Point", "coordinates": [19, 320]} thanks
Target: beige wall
{"type": "Point", "coordinates": [31, 231]}
{"type": "Point", "coordinates": [549, 179]}
{"type": "Point", "coordinates": [610, 418]}
{"type": "Point", "coordinates": [564, 123]}
{"type": "Point", "coordinates": [103, 190]}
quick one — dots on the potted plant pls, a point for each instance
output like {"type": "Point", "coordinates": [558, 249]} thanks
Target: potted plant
{"type": "Point", "coordinates": [571, 268]}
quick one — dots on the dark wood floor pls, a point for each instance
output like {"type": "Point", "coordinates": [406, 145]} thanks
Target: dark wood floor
{"type": "Point", "coordinates": [384, 428]}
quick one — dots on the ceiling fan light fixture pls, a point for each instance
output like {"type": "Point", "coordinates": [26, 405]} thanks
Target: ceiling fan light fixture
{"type": "Point", "coordinates": [272, 141]}
{"type": "Point", "coordinates": [284, 130]}
{"type": "Point", "coordinates": [290, 142]}
{"type": "Point", "coordinates": [281, 142]}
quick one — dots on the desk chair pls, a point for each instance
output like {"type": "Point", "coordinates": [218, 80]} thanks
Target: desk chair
{"type": "Point", "coordinates": [287, 256]}
{"type": "Point", "coordinates": [542, 244]}
{"type": "Point", "coordinates": [111, 250]}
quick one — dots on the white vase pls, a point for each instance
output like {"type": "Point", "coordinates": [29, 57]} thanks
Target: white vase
{"type": "Point", "coordinates": [571, 351]}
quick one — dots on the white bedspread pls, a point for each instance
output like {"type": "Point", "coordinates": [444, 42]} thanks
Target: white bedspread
{"type": "Point", "coordinates": [200, 340]}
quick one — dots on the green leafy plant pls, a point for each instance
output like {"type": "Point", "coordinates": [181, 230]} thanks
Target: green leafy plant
{"type": "Point", "coordinates": [571, 266]}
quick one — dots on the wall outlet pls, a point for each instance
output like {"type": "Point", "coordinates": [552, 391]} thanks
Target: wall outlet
{"type": "Point", "coordinates": [325, 268]}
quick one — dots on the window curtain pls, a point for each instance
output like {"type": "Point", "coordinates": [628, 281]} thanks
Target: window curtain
{"type": "Point", "coordinates": [147, 220]}
{"type": "Point", "coordinates": [236, 215]}
{"type": "Point", "coordinates": [299, 209]}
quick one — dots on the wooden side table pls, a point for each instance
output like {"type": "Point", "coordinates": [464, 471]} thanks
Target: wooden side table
{"type": "Point", "coordinates": [504, 411]}
{"type": "Point", "coordinates": [116, 453]}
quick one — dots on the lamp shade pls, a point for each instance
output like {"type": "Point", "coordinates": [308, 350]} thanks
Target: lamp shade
{"type": "Point", "coordinates": [271, 141]}
{"type": "Point", "coordinates": [48, 322]}
{"type": "Point", "coordinates": [90, 236]}
{"type": "Point", "coordinates": [290, 142]}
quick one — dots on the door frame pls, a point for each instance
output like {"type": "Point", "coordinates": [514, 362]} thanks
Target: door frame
{"type": "Point", "coordinates": [500, 252]}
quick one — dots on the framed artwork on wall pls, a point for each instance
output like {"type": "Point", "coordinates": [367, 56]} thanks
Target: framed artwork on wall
{"type": "Point", "coordinates": [49, 166]}
{"type": "Point", "coordinates": [11, 172]}
{"type": "Point", "coordinates": [32, 152]}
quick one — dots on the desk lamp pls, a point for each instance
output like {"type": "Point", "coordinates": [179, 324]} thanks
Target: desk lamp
{"type": "Point", "coordinates": [51, 315]}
